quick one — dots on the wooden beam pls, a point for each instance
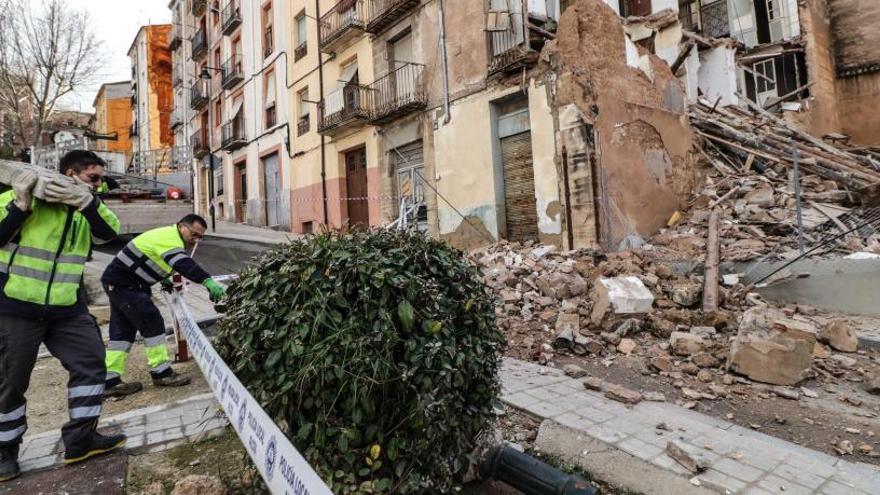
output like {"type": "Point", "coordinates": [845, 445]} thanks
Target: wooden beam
{"type": "Point", "coordinates": [710, 279]}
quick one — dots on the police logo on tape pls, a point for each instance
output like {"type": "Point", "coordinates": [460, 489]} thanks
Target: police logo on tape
{"type": "Point", "coordinates": [271, 454]}
{"type": "Point", "coordinates": [242, 413]}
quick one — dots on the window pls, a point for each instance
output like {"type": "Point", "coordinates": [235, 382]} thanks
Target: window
{"type": "Point", "coordinates": [268, 38]}
{"type": "Point", "coordinates": [215, 13]}
{"type": "Point", "coordinates": [218, 113]}
{"type": "Point", "coordinates": [301, 37]}
{"type": "Point", "coordinates": [303, 123]}
{"type": "Point", "coordinates": [269, 99]}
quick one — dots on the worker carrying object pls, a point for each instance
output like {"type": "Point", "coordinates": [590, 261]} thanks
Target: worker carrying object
{"type": "Point", "coordinates": [43, 248]}
{"type": "Point", "coordinates": [149, 258]}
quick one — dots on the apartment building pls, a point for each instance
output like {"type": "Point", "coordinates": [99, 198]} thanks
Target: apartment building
{"type": "Point", "coordinates": [112, 121]}
{"type": "Point", "coordinates": [236, 71]}
{"type": "Point", "coordinates": [152, 100]}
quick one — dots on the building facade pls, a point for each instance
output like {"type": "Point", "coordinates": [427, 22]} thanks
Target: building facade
{"type": "Point", "coordinates": [112, 121]}
{"type": "Point", "coordinates": [152, 100]}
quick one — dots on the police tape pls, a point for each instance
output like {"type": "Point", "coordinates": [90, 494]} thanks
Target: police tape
{"type": "Point", "coordinates": [283, 468]}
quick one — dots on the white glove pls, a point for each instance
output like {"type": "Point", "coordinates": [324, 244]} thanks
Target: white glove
{"type": "Point", "coordinates": [23, 188]}
{"type": "Point", "coordinates": [70, 191]}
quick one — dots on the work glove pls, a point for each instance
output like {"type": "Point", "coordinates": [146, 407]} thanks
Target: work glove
{"type": "Point", "coordinates": [23, 188]}
{"type": "Point", "coordinates": [167, 285]}
{"type": "Point", "coordinates": [215, 290]}
{"type": "Point", "coordinates": [70, 191]}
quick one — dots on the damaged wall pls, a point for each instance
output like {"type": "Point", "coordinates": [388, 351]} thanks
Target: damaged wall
{"type": "Point", "coordinates": [823, 116]}
{"type": "Point", "coordinates": [718, 75]}
{"type": "Point", "coordinates": [855, 27]}
{"type": "Point", "coordinates": [645, 167]}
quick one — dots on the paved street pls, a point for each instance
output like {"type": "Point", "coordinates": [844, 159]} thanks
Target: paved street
{"type": "Point", "coordinates": [742, 460]}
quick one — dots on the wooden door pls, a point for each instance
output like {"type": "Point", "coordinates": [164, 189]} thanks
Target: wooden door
{"type": "Point", "coordinates": [356, 187]}
{"type": "Point", "coordinates": [520, 208]}
{"type": "Point", "coordinates": [241, 192]}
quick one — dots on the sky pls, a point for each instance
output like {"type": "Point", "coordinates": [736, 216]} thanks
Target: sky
{"type": "Point", "coordinates": [116, 23]}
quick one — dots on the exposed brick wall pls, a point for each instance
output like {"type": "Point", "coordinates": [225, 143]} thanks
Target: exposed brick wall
{"type": "Point", "coordinates": [823, 116]}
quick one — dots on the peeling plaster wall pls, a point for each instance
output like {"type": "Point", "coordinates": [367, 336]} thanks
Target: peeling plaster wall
{"type": "Point", "coordinates": [859, 101]}
{"type": "Point", "coordinates": [717, 75]}
{"type": "Point", "coordinates": [544, 162]}
{"type": "Point", "coordinates": [856, 30]}
{"type": "Point", "coordinates": [645, 161]}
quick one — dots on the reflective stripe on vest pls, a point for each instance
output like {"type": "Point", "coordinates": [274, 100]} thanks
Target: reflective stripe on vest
{"type": "Point", "coordinates": [151, 254]}
{"type": "Point", "coordinates": [46, 264]}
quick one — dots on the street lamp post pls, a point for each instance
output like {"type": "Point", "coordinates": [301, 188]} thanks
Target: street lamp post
{"type": "Point", "coordinates": [205, 76]}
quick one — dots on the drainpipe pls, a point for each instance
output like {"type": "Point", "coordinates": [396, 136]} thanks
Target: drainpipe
{"type": "Point", "coordinates": [321, 94]}
{"type": "Point", "coordinates": [443, 62]}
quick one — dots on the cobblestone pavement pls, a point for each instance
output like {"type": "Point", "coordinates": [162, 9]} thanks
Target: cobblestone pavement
{"type": "Point", "coordinates": [151, 429]}
{"type": "Point", "coordinates": [742, 460]}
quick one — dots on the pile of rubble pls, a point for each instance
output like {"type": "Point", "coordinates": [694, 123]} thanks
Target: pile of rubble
{"type": "Point", "coordinates": [752, 185]}
{"type": "Point", "coordinates": [635, 304]}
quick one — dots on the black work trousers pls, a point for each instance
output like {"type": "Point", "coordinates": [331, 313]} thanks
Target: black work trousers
{"type": "Point", "coordinates": [76, 342]}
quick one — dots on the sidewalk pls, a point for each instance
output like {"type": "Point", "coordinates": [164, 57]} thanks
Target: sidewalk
{"type": "Point", "coordinates": [249, 233]}
{"type": "Point", "coordinates": [151, 429]}
{"type": "Point", "coordinates": [742, 460]}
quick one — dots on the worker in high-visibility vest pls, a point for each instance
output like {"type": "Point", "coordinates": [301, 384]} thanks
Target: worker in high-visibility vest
{"type": "Point", "coordinates": [43, 248]}
{"type": "Point", "coordinates": [149, 258]}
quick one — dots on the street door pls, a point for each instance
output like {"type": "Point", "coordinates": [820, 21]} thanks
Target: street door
{"type": "Point", "coordinates": [241, 192]}
{"type": "Point", "coordinates": [356, 187]}
{"type": "Point", "coordinates": [519, 188]}
{"type": "Point", "coordinates": [272, 180]}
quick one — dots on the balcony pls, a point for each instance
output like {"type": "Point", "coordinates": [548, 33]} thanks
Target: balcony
{"type": "Point", "coordinates": [176, 75]}
{"type": "Point", "coordinates": [199, 143]}
{"type": "Point", "coordinates": [176, 38]}
{"type": "Point", "coordinates": [133, 130]}
{"type": "Point", "coordinates": [344, 108]}
{"type": "Point", "coordinates": [398, 93]}
{"type": "Point", "coordinates": [303, 125]}
{"type": "Point", "coordinates": [301, 51]}
{"type": "Point", "coordinates": [268, 42]}
{"type": "Point", "coordinates": [232, 135]}
{"type": "Point", "coordinates": [198, 95]}
{"type": "Point", "coordinates": [199, 7]}
{"type": "Point", "coordinates": [381, 14]}
{"type": "Point", "coordinates": [199, 45]}
{"type": "Point", "coordinates": [231, 17]}
{"type": "Point", "coordinates": [231, 72]}
{"type": "Point", "coordinates": [509, 50]}
{"type": "Point", "coordinates": [342, 24]}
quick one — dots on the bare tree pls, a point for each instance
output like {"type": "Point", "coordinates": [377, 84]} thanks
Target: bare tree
{"type": "Point", "coordinates": [47, 51]}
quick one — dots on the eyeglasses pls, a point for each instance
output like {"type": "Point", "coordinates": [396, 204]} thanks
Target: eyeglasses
{"type": "Point", "coordinates": [195, 235]}
{"type": "Point", "coordinates": [95, 178]}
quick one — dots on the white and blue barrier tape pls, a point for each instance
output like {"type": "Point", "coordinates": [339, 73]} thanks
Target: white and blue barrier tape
{"type": "Point", "coordinates": [283, 468]}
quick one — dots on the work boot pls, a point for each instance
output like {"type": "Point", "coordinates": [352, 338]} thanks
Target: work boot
{"type": "Point", "coordinates": [122, 389]}
{"type": "Point", "coordinates": [9, 462]}
{"type": "Point", "coordinates": [172, 380]}
{"type": "Point", "coordinates": [93, 445]}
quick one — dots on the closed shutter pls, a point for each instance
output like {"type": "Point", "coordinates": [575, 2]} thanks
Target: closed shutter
{"type": "Point", "coordinates": [519, 188]}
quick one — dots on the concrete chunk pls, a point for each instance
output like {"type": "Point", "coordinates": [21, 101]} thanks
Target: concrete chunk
{"type": "Point", "coordinates": [839, 335]}
{"type": "Point", "coordinates": [692, 461]}
{"type": "Point", "coordinates": [622, 295]}
{"type": "Point", "coordinates": [780, 361]}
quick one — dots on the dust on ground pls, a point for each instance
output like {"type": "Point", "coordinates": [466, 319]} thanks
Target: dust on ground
{"type": "Point", "coordinates": [46, 397]}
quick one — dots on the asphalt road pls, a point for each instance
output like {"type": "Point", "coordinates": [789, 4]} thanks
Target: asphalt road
{"type": "Point", "coordinates": [217, 256]}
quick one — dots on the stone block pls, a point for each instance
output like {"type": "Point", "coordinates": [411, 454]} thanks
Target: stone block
{"type": "Point", "coordinates": [839, 335]}
{"type": "Point", "coordinates": [780, 361]}
{"type": "Point", "coordinates": [621, 295]}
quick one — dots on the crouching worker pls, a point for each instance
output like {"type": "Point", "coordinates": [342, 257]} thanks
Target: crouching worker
{"type": "Point", "coordinates": [148, 259]}
{"type": "Point", "coordinates": [43, 248]}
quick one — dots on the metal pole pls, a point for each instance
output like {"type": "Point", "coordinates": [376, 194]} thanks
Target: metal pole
{"type": "Point", "coordinates": [795, 156]}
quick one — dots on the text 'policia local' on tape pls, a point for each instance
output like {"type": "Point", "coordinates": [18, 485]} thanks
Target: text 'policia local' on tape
{"type": "Point", "coordinates": [285, 470]}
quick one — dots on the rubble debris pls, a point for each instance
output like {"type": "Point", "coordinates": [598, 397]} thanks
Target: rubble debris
{"type": "Point", "coordinates": [686, 344]}
{"type": "Point", "coordinates": [686, 457]}
{"type": "Point", "coordinates": [623, 295]}
{"type": "Point", "coordinates": [594, 383]}
{"type": "Point", "coordinates": [197, 484]}
{"type": "Point", "coordinates": [626, 346]}
{"type": "Point", "coordinates": [839, 335]}
{"type": "Point", "coordinates": [574, 371]}
{"type": "Point", "coordinates": [844, 447]}
{"type": "Point", "coordinates": [786, 393]}
{"type": "Point", "coordinates": [654, 396]}
{"type": "Point", "coordinates": [872, 383]}
{"type": "Point", "coordinates": [780, 362]}
{"type": "Point", "coordinates": [622, 394]}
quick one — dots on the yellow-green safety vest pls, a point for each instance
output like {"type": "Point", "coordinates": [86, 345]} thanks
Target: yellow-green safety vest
{"type": "Point", "coordinates": [152, 253]}
{"type": "Point", "coordinates": [46, 265]}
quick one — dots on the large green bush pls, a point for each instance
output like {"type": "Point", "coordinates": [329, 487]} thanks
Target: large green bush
{"type": "Point", "coordinates": [376, 352]}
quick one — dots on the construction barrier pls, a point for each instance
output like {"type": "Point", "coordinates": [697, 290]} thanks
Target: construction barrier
{"type": "Point", "coordinates": [285, 470]}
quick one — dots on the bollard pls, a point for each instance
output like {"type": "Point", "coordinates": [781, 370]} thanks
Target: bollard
{"type": "Point", "coordinates": [531, 476]}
